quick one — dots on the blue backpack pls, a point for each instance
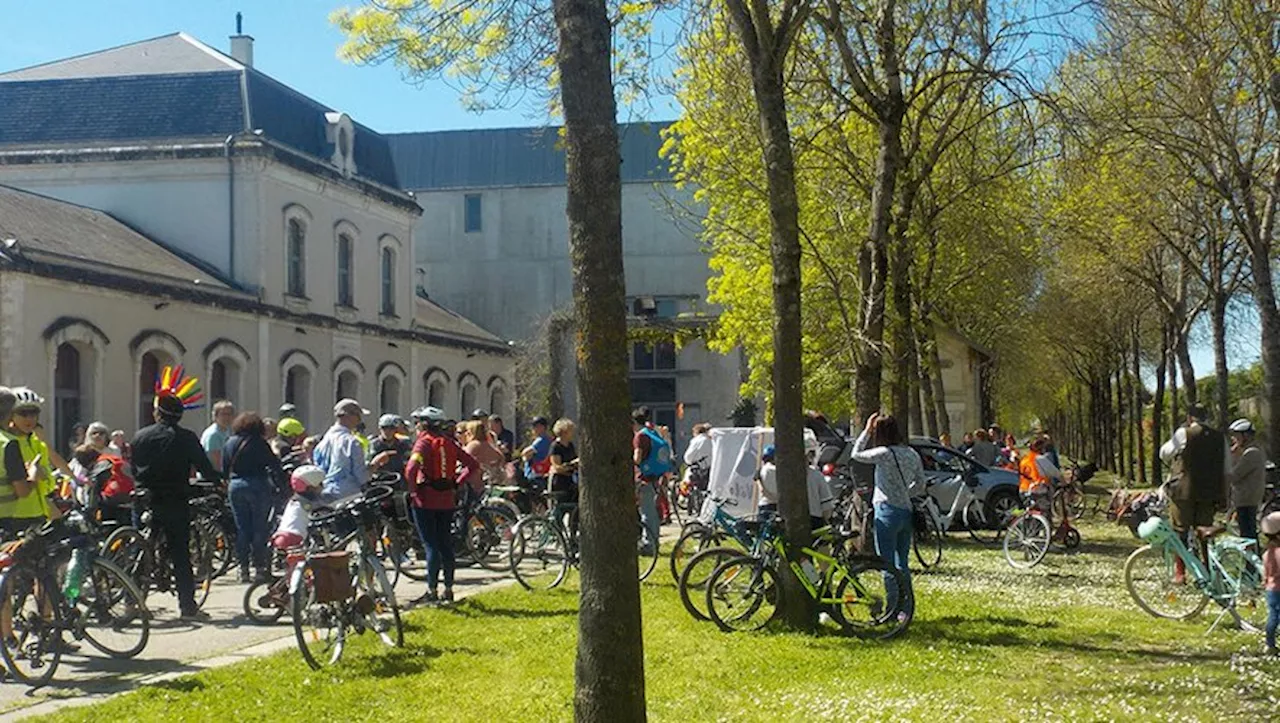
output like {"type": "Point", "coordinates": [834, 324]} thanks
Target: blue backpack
{"type": "Point", "coordinates": [658, 462]}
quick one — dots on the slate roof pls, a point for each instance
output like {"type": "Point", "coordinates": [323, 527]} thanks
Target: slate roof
{"type": "Point", "coordinates": [432, 315]}
{"type": "Point", "coordinates": [169, 89]}
{"type": "Point", "coordinates": [49, 229]}
{"type": "Point", "coordinates": [508, 157]}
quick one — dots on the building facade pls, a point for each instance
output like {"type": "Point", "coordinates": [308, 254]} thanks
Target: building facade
{"type": "Point", "coordinates": [492, 243]}
{"type": "Point", "coordinates": [179, 206]}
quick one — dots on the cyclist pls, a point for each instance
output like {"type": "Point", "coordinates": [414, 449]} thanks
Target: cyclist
{"type": "Point", "coordinates": [1036, 477]}
{"type": "Point", "coordinates": [432, 476]}
{"type": "Point", "coordinates": [289, 434]}
{"type": "Point", "coordinates": [1200, 461]}
{"type": "Point", "coordinates": [34, 507]}
{"type": "Point", "coordinates": [503, 437]}
{"type": "Point", "coordinates": [163, 455]}
{"type": "Point", "coordinates": [18, 478]}
{"type": "Point", "coordinates": [564, 469]}
{"type": "Point", "coordinates": [340, 454]}
{"type": "Point", "coordinates": [388, 452]}
{"type": "Point", "coordinates": [651, 454]}
{"type": "Point", "coordinates": [1248, 477]}
{"type": "Point", "coordinates": [537, 457]}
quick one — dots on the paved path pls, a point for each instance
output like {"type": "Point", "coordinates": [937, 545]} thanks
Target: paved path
{"type": "Point", "coordinates": [178, 648]}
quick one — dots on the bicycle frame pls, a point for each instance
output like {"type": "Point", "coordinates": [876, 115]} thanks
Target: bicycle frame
{"type": "Point", "coordinates": [962, 499]}
{"type": "Point", "coordinates": [832, 573]}
{"type": "Point", "coordinates": [1214, 580]}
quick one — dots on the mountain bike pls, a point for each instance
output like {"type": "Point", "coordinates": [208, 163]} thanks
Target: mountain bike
{"type": "Point", "coordinates": [143, 553]}
{"type": "Point", "coordinates": [697, 536]}
{"type": "Point", "coordinates": [864, 595]}
{"type": "Point", "coordinates": [748, 535]}
{"type": "Point", "coordinates": [1029, 534]}
{"type": "Point", "coordinates": [1156, 575]}
{"type": "Point", "coordinates": [333, 592]}
{"type": "Point", "coordinates": [54, 583]}
{"type": "Point", "coordinates": [543, 547]}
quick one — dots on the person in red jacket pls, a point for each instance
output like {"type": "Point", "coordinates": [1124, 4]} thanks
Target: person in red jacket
{"type": "Point", "coordinates": [433, 476]}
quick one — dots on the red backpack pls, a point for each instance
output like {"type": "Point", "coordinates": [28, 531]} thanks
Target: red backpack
{"type": "Point", "coordinates": [440, 463]}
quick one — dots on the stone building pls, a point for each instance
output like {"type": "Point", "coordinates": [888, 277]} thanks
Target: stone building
{"type": "Point", "coordinates": [177, 205]}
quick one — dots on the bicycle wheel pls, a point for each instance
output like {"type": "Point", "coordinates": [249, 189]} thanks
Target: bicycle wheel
{"type": "Point", "coordinates": [646, 555]}
{"type": "Point", "coordinates": [539, 555]}
{"type": "Point", "coordinates": [478, 536]}
{"type": "Point", "coordinates": [926, 540]}
{"type": "Point", "coordinates": [32, 648]}
{"type": "Point", "coordinates": [743, 594]}
{"type": "Point", "coordinates": [1073, 500]}
{"type": "Point", "coordinates": [501, 521]}
{"type": "Point", "coordinates": [1150, 575]}
{"type": "Point", "coordinates": [265, 602]}
{"type": "Point", "coordinates": [126, 548]}
{"type": "Point", "coordinates": [674, 503]}
{"type": "Point", "coordinates": [693, 579]}
{"type": "Point", "coordinates": [870, 599]}
{"type": "Point", "coordinates": [405, 550]}
{"type": "Point", "coordinates": [223, 544]}
{"type": "Point", "coordinates": [112, 611]}
{"type": "Point", "coordinates": [320, 628]}
{"type": "Point", "coordinates": [1243, 574]}
{"type": "Point", "coordinates": [200, 547]}
{"type": "Point", "coordinates": [381, 612]}
{"type": "Point", "coordinates": [1026, 540]}
{"type": "Point", "coordinates": [687, 545]}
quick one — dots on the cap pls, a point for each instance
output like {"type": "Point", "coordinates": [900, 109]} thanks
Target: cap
{"type": "Point", "coordinates": [348, 406]}
{"type": "Point", "coordinates": [288, 409]}
{"type": "Point", "coordinates": [540, 420]}
{"type": "Point", "coordinates": [388, 420]}
{"type": "Point", "coordinates": [479, 414]}
{"type": "Point", "coordinates": [170, 406]}
{"type": "Point", "coordinates": [768, 452]}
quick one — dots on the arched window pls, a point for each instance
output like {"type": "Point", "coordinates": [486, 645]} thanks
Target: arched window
{"type": "Point", "coordinates": [226, 363]}
{"type": "Point", "coordinates": [468, 400]}
{"type": "Point", "coordinates": [347, 375]}
{"type": "Point", "coordinates": [296, 258]}
{"type": "Point", "coordinates": [68, 392]}
{"type": "Point", "coordinates": [348, 386]}
{"type": "Point", "coordinates": [297, 390]}
{"type": "Point", "coordinates": [389, 397]}
{"type": "Point", "coordinates": [346, 296]}
{"type": "Point", "coordinates": [149, 369]}
{"type": "Point", "coordinates": [388, 281]}
{"type": "Point", "coordinates": [498, 401]}
{"type": "Point", "coordinates": [435, 394]}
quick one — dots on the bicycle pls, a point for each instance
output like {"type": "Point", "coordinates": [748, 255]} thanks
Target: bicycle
{"type": "Point", "coordinates": [697, 536]}
{"type": "Point", "coordinates": [103, 606]}
{"type": "Point", "coordinates": [864, 595]}
{"type": "Point", "coordinates": [930, 525]}
{"type": "Point", "coordinates": [211, 518]}
{"type": "Point", "coordinates": [481, 528]}
{"type": "Point", "coordinates": [542, 548]}
{"type": "Point", "coordinates": [1232, 577]}
{"type": "Point", "coordinates": [143, 553]}
{"type": "Point", "coordinates": [749, 533]}
{"type": "Point", "coordinates": [332, 592]}
{"type": "Point", "coordinates": [1029, 534]}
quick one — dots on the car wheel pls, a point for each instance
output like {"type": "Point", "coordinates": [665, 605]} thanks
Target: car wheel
{"type": "Point", "coordinates": [1000, 506]}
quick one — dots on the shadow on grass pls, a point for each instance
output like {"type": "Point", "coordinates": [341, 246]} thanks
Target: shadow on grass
{"type": "Point", "coordinates": [188, 684]}
{"type": "Point", "coordinates": [398, 662]}
{"type": "Point", "coordinates": [473, 608]}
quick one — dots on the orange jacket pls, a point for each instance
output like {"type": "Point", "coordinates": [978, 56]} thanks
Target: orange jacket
{"type": "Point", "coordinates": [1029, 475]}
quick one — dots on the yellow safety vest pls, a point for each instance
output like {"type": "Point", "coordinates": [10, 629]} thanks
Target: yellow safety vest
{"type": "Point", "coordinates": [34, 504]}
{"type": "Point", "coordinates": [8, 495]}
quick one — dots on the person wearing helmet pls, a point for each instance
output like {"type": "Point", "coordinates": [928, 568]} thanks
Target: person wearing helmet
{"type": "Point", "coordinates": [305, 483]}
{"type": "Point", "coordinates": [432, 476]}
{"type": "Point", "coordinates": [1248, 476]}
{"type": "Point", "coordinates": [19, 478]}
{"type": "Point", "coordinates": [388, 452]}
{"type": "Point", "coordinates": [1271, 576]}
{"type": "Point", "coordinates": [289, 434]}
{"type": "Point", "coordinates": [288, 410]}
{"type": "Point", "coordinates": [163, 455]}
{"type": "Point", "coordinates": [33, 508]}
{"type": "Point", "coordinates": [767, 481]}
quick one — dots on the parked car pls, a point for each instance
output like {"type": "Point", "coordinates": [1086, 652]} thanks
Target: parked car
{"type": "Point", "coordinates": [948, 468]}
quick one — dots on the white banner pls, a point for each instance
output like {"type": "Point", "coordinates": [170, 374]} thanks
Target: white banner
{"type": "Point", "coordinates": [735, 460]}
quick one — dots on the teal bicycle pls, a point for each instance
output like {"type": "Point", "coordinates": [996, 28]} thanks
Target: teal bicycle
{"type": "Point", "coordinates": [1168, 581]}
{"type": "Point", "coordinates": [543, 547]}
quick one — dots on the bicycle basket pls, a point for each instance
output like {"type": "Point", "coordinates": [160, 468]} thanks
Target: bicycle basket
{"type": "Point", "coordinates": [331, 575]}
{"type": "Point", "coordinates": [1155, 531]}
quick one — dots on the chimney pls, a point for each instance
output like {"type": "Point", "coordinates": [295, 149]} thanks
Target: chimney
{"type": "Point", "coordinates": [241, 44]}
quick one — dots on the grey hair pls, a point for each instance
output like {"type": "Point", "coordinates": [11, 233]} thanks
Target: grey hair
{"type": "Point", "coordinates": [7, 400]}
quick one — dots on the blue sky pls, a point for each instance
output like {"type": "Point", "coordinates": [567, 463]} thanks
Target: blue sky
{"type": "Point", "coordinates": [294, 43]}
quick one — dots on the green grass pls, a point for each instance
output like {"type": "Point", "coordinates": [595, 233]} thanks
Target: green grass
{"type": "Point", "coordinates": [1060, 642]}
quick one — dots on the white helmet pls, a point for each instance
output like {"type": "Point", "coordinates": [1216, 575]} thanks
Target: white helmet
{"type": "Point", "coordinates": [1271, 524]}
{"type": "Point", "coordinates": [1242, 426]}
{"type": "Point", "coordinates": [27, 399]}
{"type": "Point", "coordinates": [305, 478]}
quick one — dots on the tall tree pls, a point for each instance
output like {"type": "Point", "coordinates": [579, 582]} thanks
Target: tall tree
{"type": "Point", "coordinates": [428, 37]}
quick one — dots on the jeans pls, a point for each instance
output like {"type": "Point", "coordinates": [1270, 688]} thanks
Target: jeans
{"type": "Point", "coordinates": [893, 543]}
{"type": "Point", "coordinates": [435, 529]}
{"type": "Point", "coordinates": [1273, 616]}
{"type": "Point", "coordinates": [1248, 519]}
{"type": "Point", "coordinates": [251, 508]}
{"type": "Point", "coordinates": [172, 518]}
{"type": "Point", "coordinates": [646, 494]}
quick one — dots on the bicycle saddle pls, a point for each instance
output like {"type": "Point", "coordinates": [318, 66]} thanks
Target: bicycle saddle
{"type": "Point", "coordinates": [1206, 533]}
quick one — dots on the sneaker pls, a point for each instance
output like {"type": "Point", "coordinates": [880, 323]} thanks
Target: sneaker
{"type": "Point", "coordinates": [197, 616]}
{"type": "Point", "coordinates": [427, 597]}
{"type": "Point", "coordinates": [261, 576]}
{"type": "Point", "coordinates": [242, 576]}
{"type": "Point", "coordinates": [448, 595]}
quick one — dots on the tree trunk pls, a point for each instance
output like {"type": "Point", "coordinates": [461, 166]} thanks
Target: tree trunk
{"type": "Point", "coordinates": [911, 370]}
{"type": "Point", "coordinates": [1218, 322]}
{"type": "Point", "coordinates": [1176, 413]}
{"type": "Point", "coordinates": [1136, 409]}
{"type": "Point", "coordinates": [767, 62]}
{"type": "Point", "coordinates": [939, 390]}
{"type": "Point", "coordinates": [1185, 366]}
{"type": "Point", "coordinates": [926, 386]}
{"type": "Point", "coordinates": [1157, 410]}
{"type": "Point", "coordinates": [1117, 431]}
{"type": "Point", "coordinates": [609, 671]}
{"type": "Point", "coordinates": [875, 256]}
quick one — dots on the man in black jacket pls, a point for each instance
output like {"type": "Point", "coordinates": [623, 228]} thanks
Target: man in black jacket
{"type": "Point", "coordinates": [163, 455]}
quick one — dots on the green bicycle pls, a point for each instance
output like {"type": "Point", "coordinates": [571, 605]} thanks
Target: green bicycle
{"type": "Point", "coordinates": [543, 547]}
{"type": "Point", "coordinates": [862, 594]}
{"type": "Point", "coordinates": [1232, 579]}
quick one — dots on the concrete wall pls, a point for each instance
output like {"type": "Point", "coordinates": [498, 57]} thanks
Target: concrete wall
{"type": "Point", "coordinates": [29, 305]}
{"type": "Point", "coordinates": [960, 379]}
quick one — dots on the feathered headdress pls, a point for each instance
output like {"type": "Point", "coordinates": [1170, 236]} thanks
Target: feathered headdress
{"type": "Point", "coordinates": [172, 383]}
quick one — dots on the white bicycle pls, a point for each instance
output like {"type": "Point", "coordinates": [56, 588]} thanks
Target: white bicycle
{"type": "Point", "coordinates": [930, 524]}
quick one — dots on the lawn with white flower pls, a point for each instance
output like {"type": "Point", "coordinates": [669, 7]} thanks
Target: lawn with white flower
{"type": "Point", "coordinates": [1062, 641]}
